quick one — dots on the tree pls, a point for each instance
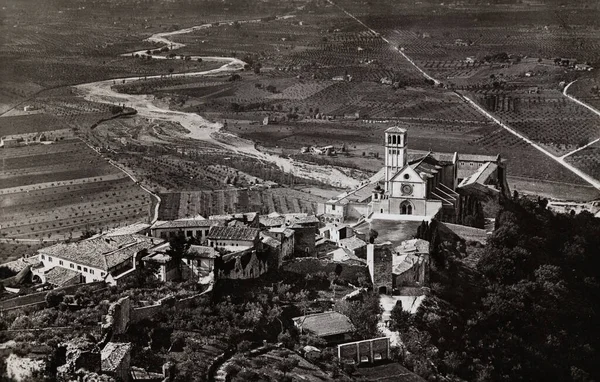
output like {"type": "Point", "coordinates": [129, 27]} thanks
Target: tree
{"type": "Point", "coordinates": [400, 319]}
{"type": "Point", "coordinates": [178, 249]}
{"type": "Point", "coordinates": [54, 298]}
{"type": "Point", "coordinates": [286, 365]}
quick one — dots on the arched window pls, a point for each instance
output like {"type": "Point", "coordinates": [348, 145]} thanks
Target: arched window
{"type": "Point", "coordinates": [393, 139]}
{"type": "Point", "coordinates": [389, 139]}
{"type": "Point", "coordinates": [406, 208]}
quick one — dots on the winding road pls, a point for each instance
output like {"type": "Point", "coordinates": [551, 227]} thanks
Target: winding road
{"type": "Point", "coordinates": [198, 127]}
{"type": "Point", "coordinates": [561, 160]}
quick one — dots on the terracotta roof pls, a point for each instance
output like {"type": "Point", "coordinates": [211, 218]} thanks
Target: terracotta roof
{"type": "Point", "coordinates": [127, 230]}
{"type": "Point", "coordinates": [232, 233]}
{"type": "Point", "coordinates": [60, 276]}
{"type": "Point", "coordinates": [190, 223]}
{"type": "Point", "coordinates": [269, 241]}
{"type": "Point", "coordinates": [102, 252]}
{"type": "Point", "coordinates": [359, 194]}
{"type": "Point", "coordinates": [395, 129]}
{"type": "Point", "coordinates": [267, 221]}
{"type": "Point", "coordinates": [413, 246]}
{"type": "Point", "coordinates": [287, 232]}
{"type": "Point", "coordinates": [113, 354]}
{"type": "Point", "coordinates": [352, 243]}
{"type": "Point", "coordinates": [202, 251]}
{"type": "Point", "coordinates": [325, 324]}
{"type": "Point", "coordinates": [478, 158]}
{"type": "Point", "coordinates": [427, 165]}
{"type": "Point", "coordinates": [299, 219]}
{"type": "Point", "coordinates": [403, 263]}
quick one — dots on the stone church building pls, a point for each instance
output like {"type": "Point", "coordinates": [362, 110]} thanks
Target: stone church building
{"type": "Point", "coordinates": [419, 187]}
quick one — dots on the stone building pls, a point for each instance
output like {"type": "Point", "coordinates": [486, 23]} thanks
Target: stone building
{"type": "Point", "coordinates": [116, 360]}
{"type": "Point", "coordinates": [233, 238]}
{"type": "Point", "coordinates": [380, 262]}
{"type": "Point", "coordinates": [100, 258]}
{"type": "Point", "coordinates": [415, 187]}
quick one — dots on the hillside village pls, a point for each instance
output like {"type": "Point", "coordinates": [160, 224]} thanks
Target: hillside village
{"type": "Point", "coordinates": [373, 240]}
{"type": "Point", "coordinates": [299, 191]}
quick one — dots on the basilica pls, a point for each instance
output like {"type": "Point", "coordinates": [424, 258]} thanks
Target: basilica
{"type": "Point", "coordinates": [418, 186]}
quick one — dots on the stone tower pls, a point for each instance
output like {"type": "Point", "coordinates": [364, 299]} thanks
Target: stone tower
{"type": "Point", "coordinates": [395, 152]}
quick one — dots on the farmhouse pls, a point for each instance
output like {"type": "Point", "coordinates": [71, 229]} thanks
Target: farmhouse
{"type": "Point", "coordinates": [95, 259]}
{"type": "Point", "coordinates": [333, 327]}
{"type": "Point", "coordinates": [583, 67]}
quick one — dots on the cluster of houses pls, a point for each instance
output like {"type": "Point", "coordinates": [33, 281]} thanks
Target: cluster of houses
{"type": "Point", "coordinates": [238, 246]}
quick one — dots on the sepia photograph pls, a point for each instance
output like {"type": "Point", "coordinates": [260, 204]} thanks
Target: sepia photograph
{"type": "Point", "coordinates": [299, 190]}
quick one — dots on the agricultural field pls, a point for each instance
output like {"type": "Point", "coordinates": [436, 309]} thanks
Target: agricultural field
{"type": "Point", "coordinates": [12, 251]}
{"type": "Point", "coordinates": [63, 189]}
{"type": "Point", "coordinates": [547, 117]}
{"type": "Point", "coordinates": [282, 199]}
{"type": "Point", "coordinates": [587, 160]}
{"type": "Point", "coordinates": [586, 89]}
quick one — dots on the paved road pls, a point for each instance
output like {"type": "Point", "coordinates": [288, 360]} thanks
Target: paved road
{"type": "Point", "coordinates": [594, 182]}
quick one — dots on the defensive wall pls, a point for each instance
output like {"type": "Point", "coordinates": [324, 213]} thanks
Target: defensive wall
{"type": "Point", "coordinates": [38, 300]}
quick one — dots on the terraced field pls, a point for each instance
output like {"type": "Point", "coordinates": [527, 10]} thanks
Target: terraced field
{"type": "Point", "coordinates": [283, 200]}
{"type": "Point", "coordinates": [62, 189]}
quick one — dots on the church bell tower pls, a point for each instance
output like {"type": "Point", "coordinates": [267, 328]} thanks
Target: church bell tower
{"type": "Point", "coordinates": [395, 152]}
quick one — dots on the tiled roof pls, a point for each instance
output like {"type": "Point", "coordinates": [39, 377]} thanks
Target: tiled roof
{"type": "Point", "coordinates": [359, 194]}
{"type": "Point", "coordinates": [113, 354]}
{"type": "Point", "coordinates": [102, 252]}
{"type": "Point", "coordinates": [60, 276]}
{"type": "Point", "coordinates": [158, 257]}
{"type": "Point", "coordinates": [352, 243]}
{"type": "Point", "coordinates": [395, 129]}
{"type": "Point", "coordinates": [301, 219]}
{"type": "Point", "coordinates": [413, 246]}
{"type": "Point", "coordinates": [428, 165]}
{"type": "Point", "coordinates": [232, 233]}
{"type": "Point", "coordinates": [284, 230]}
{"type": "Point", "coordinates": [267, 221]}
{"type": "Point", "coordinates": [478, 158]}
{"type": "Point", "coordinates": [190, 223]}
{"type": "Point", "coordinates": [249, 216]}
{"type": "Point", "coordinates": [325, 324]}
{"type": "Point", "coordinates": [202, 251]}
{"type": "Point", "coordinates": [403, 263]}
{"type": "Point", "coordinates": [127, 230]}
{"type": "Point", "coordinates": [269, 241]}
{"type": "Point", "coordinates": [481, 176]}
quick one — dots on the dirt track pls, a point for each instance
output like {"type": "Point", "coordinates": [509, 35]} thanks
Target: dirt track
{"type": "Point", "coordinates": [198, 127]}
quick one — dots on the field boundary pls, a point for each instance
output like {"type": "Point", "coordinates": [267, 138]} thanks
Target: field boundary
{"type": "Point", "coordinates": [595, 183]}
{"type": "Point", "coordinates": [590, 108]}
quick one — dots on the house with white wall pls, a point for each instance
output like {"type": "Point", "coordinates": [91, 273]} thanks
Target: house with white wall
{"type": "Point", "coordinates": [99, 258]}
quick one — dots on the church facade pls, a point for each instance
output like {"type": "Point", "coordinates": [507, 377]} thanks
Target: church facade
{"type": "Point", "coordinates": [409, 187]}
